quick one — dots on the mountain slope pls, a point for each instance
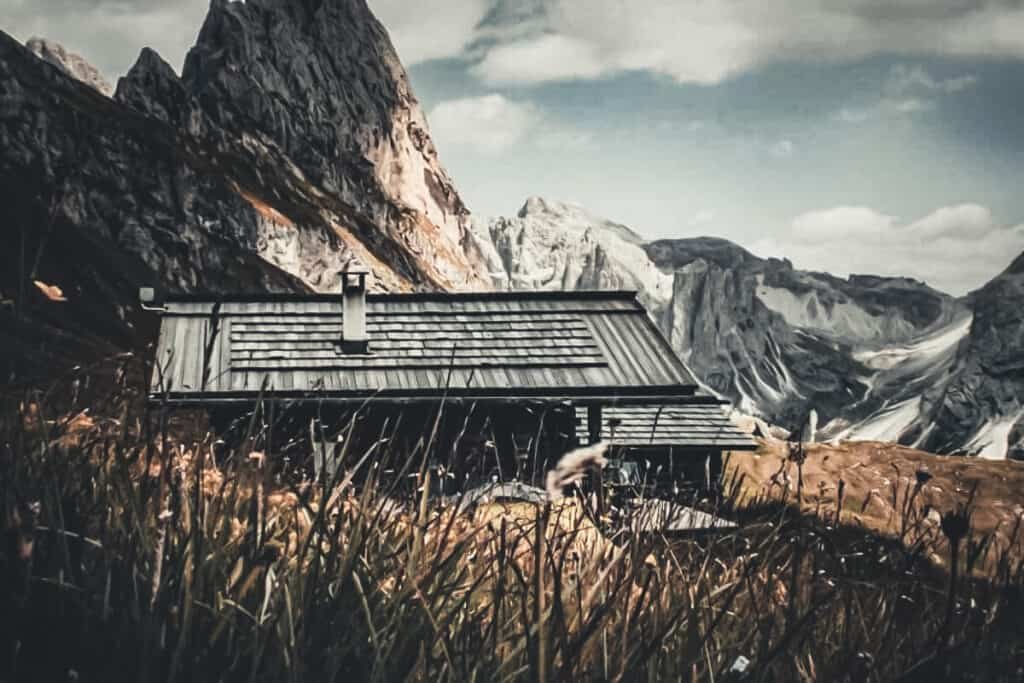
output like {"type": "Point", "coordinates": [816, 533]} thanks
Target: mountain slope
{"type": "Point", "coordinates": [879, 358]}
{"type": "Point", "coordinates": [983, 403]}
{"type": "Point", "coordinates": [291, 146]}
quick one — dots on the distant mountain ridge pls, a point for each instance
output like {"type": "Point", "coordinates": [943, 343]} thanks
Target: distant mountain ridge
{"type": "Point", "coordinates": [874, 357]}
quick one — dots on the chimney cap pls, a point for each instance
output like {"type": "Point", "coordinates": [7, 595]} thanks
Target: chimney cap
{"type": "Point", "coordinates": [152, 297]}
{"type": "Point", "coordinates": [354, 267]}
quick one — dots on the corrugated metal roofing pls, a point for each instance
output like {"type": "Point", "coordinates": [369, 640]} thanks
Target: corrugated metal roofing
{"type": "Point", "coordinates": [547, 342]}
{"type": "Point", "coordinates": [688, 425]}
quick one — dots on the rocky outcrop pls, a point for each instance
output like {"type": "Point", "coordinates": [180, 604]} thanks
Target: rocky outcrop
{"type": "Point", "coordinates": [981, 407]}
{"type": "Point", "coordinates": [101, 200]}
{"type": "Point", "coordinates": [291, 146]}
{"type": "Point", "coordinates": [957, 389]}
{"type": "Point", "coordinates": [70, 63]}
{"type": "Point", "coordinates": [743, 350]}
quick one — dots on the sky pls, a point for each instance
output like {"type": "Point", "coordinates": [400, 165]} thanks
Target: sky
{"type": "Point", "coordinates": [867, 136]}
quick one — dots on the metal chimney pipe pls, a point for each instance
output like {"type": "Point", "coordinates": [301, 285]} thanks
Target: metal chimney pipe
{"type": "Point", "coordinates": [353, 311]}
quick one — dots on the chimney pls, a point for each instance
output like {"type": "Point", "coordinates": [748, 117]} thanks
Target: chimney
{"type": "Point", "coordinates": [353, 303]}
{"type": "Point", "coordinates": [150, 299]}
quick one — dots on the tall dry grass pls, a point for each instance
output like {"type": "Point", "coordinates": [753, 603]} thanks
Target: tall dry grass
{"type": "Point", "coordinates": [138, 548]}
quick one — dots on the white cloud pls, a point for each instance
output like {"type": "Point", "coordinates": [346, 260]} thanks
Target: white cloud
{"type": "Point", "coordinates": [841, 223]}
{"type": "Point", "coordinates": [493, 123]}
{"type": "Point", "coordinates": [430, 30]}
{"type": "Point", "coordinates": [541, 58]}
{"type": "Point", "coordinates": [707, 42]}
{"type": "Point", "coordinates": [954, 248]}
{"type": "Point", "coordinates": [904, 79]}
{"type": "Point", "coordinates": [490, 123]}
{"type": "Point", "coordinates": [908, 89]}
{"type": "Point", "coordinates": [108, 33]}
{"type": "Point", "coordinates": [529, 41]}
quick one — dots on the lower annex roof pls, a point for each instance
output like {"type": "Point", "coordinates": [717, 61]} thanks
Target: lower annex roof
{"type": "Point", "coordinates": [697, 425]}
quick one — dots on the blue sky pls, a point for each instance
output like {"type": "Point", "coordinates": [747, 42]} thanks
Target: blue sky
{"type": "Point", "coordinates": [882, 136]}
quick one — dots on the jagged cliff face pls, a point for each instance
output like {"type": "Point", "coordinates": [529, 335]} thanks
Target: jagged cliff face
{"type": "Point", "coordinates": [318, 83]}
{"type": "Point", "coordinates": [748, 352]}
{"type": "Point", "coordinates": [291, 146]}
{"type": "Point", "coordinates": [958, 389]}
{"type": "Point", "coordinates": [981, 405]}
{"type": "Point", "coordinates": [875, 358]}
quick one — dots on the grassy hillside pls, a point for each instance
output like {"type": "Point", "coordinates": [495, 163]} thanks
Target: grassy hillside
{"type": "Point", "coordinates": [136, 548]}
{"type": "Point", "coordinates": [896, 491]}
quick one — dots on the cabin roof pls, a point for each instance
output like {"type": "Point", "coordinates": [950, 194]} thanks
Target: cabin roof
{"type": "Point", "coordinates": [491, 345]}
{"type": "Point", "coordinates": [679, 425]}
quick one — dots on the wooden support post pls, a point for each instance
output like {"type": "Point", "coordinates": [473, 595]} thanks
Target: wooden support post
{"type": "Point", "coordinates": [594, 435]}
{"type": "Point", "coordinates": [594, 423]}
{"type": "Point", "coordinates": [508, 463]}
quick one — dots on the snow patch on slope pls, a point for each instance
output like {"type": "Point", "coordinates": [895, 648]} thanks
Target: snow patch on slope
{"type": "Point", "coordinates": [993, 439]}
{"type": "Point", "coordinates": [901, 373]}
{"type": "Point", "coordinates": [921, 352]}
{"type": "Point", "coordinates": [885, 425]}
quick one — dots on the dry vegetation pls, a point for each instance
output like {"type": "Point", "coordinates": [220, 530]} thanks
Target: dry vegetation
{"type": "Point", "coordinates": [131, 552]}
{"type": "Point", "coordinates": [890, 489]}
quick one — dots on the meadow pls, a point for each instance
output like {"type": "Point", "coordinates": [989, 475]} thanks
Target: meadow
{"type": "Point", "coordinates": [137, 547]}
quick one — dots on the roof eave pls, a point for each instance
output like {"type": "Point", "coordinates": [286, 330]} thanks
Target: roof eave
{"type": "Point", "coordinates": [604, 395]}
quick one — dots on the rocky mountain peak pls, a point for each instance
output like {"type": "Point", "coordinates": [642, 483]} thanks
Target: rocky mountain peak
{"type": "Point", "coordinates": [152, 87]}
{"type": "Point", "coordinates": [569, 215]}
{"type": "Point", "coordinates": [70, 63]}
{"type": "Point", "coordinates": [539, 206]}
{"type": "Point", "coordinates": [320, 81]}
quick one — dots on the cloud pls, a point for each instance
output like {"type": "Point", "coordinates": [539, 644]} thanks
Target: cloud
{"type": "Point", "coordinates": [907, 89]}
{"type": "Point", "coordinates": [110, 33]}
{"type": "Point", "coordinates": [422, 31]}
{"type": "Point", "coordinates": [532, 41]}
{"type": "Point", "coordinates": [906, 79]}
{"type": "Point", "coordinates": [489, 123]}
{"type": "Point", "coordinates": [492, 123]}
{"type": "Point", "coordinates": [539, 59]}
{"type": "Point", "coordinates": [707, 42]}
{"type": "Point", "coordinates": [954, 248]}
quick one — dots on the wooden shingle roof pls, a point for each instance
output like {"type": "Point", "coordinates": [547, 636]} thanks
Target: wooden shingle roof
{"type": "Point", "coordinates": [491, 344]}
{"type": "Point", "coordinates": [679, 425]}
